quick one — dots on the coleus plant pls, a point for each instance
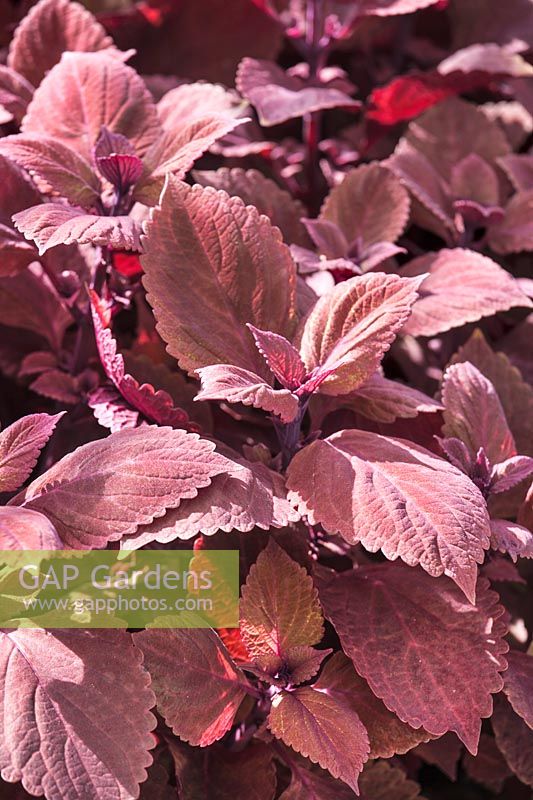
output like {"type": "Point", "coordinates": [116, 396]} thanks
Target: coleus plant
{"type": "Point", "coordinates": [273, 353]}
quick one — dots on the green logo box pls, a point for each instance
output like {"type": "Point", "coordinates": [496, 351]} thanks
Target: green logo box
{"type": "Point", "coordinates": [119, 589]}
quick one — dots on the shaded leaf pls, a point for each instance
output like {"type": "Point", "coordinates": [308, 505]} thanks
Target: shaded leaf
{"type": "Point", "coordinates": [462, 286]}
{"type": "Point", "coordinates": [489, 767]}
{"type": "Point", "coordinates": [388, 735]}
{"type": "Point", "coordinates": [518, 685]}
{"type": "Point", "coordinates": [278, 96]}
{"type": "Point", "coordinates": [369, 206]}
{"type": "Point", "coordinates": [514, 739]}
{"type": "Point", "coordinates": [279, 609]}
{"type": "Point", "coordinates": [442, 655]}
{"type": "Point", "coordinates": [394, 496]}
{"type": "Point", "coordinates": [381, 781]}
{"type": "Point", "coordinates": [322, 729]}
{"type": "Point", "coordinates": [515, 232]}
{"type": "Point", "coordinates": [107, 488]}
{"type": "Point", "coordinates": [15, 95]}
{"type": "Point", "coordinates": [208, 254]}
{"type": "Point", "coordinates": [197, 685]}
{"type": "Point", "coordinates": [443, 753]}
{"type": "Point", "coordinates": [156, 406]}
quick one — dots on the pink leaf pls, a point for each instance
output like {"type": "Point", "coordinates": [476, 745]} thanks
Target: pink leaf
{"type": "Point", "coordinates": [488, 59]}
{"type": "Point", "coordinates": [279, 96]}
{"type": "Point", "coordinates": [462, 286]}
{"type": "Point", "coordinates": [452, 130]}
{"type": "Point", "coordinates": [279, 610]}
{"type": "Point", "coordinates": [111, 410]}
{"type": "Point", "coordinates": [282, 358]}
{"type": "Point", "coordinates": [349, 330]}
{"type": "Point", "coordinates": [56, 168]}
{"type": "Point", "coordinates": [510, 472]}
{"type": "Point", "coordinates": [107, 488]}
{"type": "Point", "coordinates": [473, 179]}
{"type": "Point", "coordinates": [48, 30]}
{"type": "Point", "coordinates": [245, 496]}
{"type": "Point", "coordinates": [197, 685]}
{"type": "Point", "coordinates": [15, 95]}
{"type": "Point", "coordinates": [385, 8]}
{"type": "Point", "coordinates": [511, 538]}
{"type": "Point", "coordinates": [473, 413]}
{"type": "Point", "coordinates": [156, 406]}
{"type": "Point", "coordinates": [383, 400]}
{"type": "Point", "coordinates": [428, 189]}
{"type": "Point", "coordinates": [256, 190]}
{"type": "Point", "coordinates": [20, 446]}
{"type": "Point", "coordinates": [322, 729]}
{"type": "Point", "coordinates": [519, 169]}
{"type": "Point", "coordinates": [208, 254]}
{"type": "Point", "coordinates": [514, 739]}
{"type": "Point", "coordinates": [394, 496]}
{"type": "Point", "coordinates": [196, 101]}
{"type": "Point", "coordinates": [369, 206]}
{"type": "Point", "coordinates": [22, 529]}
{"type": "Point", "coordinates": [388, 735]}
{"type": "Point", "coordinates": [489, 767]}
{"type": "Point", "coordinates": [66, 722]}
{"type": "Point", "coordinates": [518, 685]}
{"type": "Point", "coordinates": [236, 385]}
{"type": "Point", "coordinates": [83, 93]}
{"type": "Point", "coordinates": [52, 224]}
{"type": "Point", "coordinates": [416, 641]}
{"type": "Point", "coordinates": [175, 151]}
{"type": "Point", "coordinates": [515, 231]}
{"type": "Point", "coordinates": [27, 301]}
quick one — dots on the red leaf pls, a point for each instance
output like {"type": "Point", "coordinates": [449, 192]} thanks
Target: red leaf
{"type": "Point", "coordinates": [56, 168]}
{"type": "Point", "coordinates": [22, 529]}
{"type": "Point", "coordinates": [156, 406]}
{"type": "Point", "coordinates": [15, 95]}
{"type": "Point", "coordinates": [511, 538]}
{"type": "Point", "coordinates": [282, 358]}
{"type": "Point", "coordinates": [394, 496]}
{"type": "Point", "coordinates": [370, 206]}
{"type": "Point", "coordinates": [256, 190]}
{"type": "Point", "coordinates": [144, 471]}
{"type": "Point", "coordinates": [435, 642]}
{"type": "Point", "coordinates": [236, 385]}
{"type": "Point", "coordinates": [278, 96]}
{"type": "Point", "coordinates": [462, 286]}
{"type": "Point", "coordinates": [473, 413]}
{"type": "Point", "coordinates": [246, 495]}
{"type": "Point", "coordinates": [20, 446]}
{"type": "Point", "coordinates": [48, 30]}
{"type": "Point", "coordinates": [514, 739]}
{"type": "Point", "coordinates": [347, 332]}
{"type": "Point", "coordinates": [66, 723]}
{"type": "Point", "coordinates": [279, 610]}
{"type": "Point", "coordinates": [197, 685]}
{"type": "Point", "coordinates": [87, 91]}
{"type": "Point", "coordinates": [518, 685]}
{"type": "Point", "coordinates": [388, 735]}
{"type": "Point", "coordinates": [208, 254]}
{"type": "Point", "coordinates": [52, 224]}
{"type": "Point", "coordinates": [322, 729]}
{"type": "Point", "coordinates": [407, 97]}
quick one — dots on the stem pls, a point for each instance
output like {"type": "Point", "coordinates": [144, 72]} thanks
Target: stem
{"type": "Point", "coordinates": [316, 48]}
{"type": "Point", "coordinates": [288, 434]}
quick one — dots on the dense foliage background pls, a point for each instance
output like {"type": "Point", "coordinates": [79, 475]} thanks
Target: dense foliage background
{"type": "Point", "coordinates": [265, 284]}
